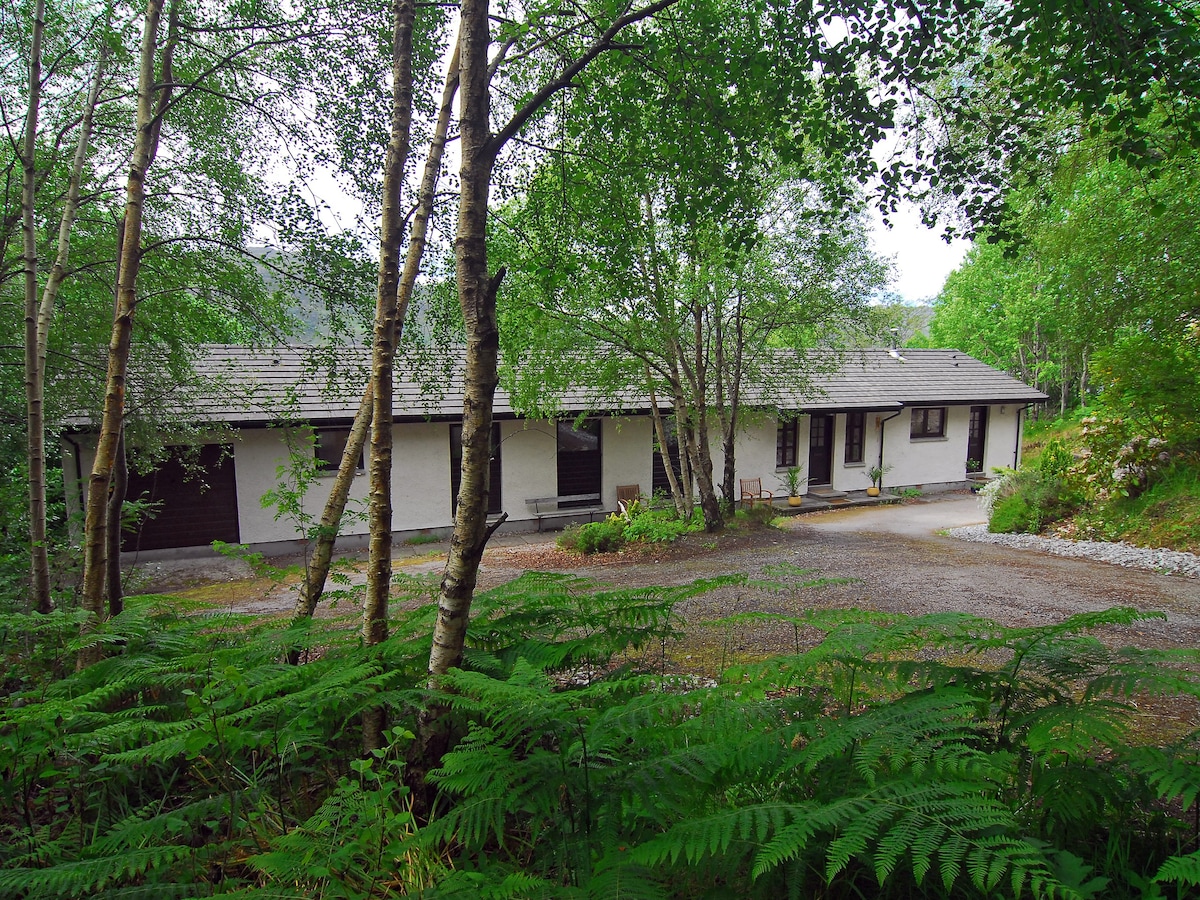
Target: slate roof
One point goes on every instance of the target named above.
(245, 386)
(892, 379)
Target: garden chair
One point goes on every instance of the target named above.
(627, 494)
(752, 492)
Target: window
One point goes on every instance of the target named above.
(579, 461)
(785, 444)
(928, 422)
(855, 432)
(328, 448)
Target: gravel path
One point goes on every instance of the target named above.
(1168, 562)
(890, 558)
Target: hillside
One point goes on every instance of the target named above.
(1162, 511)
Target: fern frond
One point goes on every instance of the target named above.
(730, 833)
(68, 879)
(1184, 869)
(1075, 730)
(1173, 773)
(616, 878)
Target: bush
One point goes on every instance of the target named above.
(658, 527)
(594, 537)
(636, 523)
(763, 513)
(1121, 459)
(1028, 501)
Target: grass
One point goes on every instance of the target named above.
(418, 539)
(1167, 515)
(1040, 432)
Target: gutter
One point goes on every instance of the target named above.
(1017, 446)
(882, 423)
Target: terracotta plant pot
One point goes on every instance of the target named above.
(872, 491)
(794, 501)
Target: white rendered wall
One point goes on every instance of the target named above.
(421, 476)
(1001, 449)
(528, 464)
(853, 476)
(925, 460)
(257, 455)
(626, 452)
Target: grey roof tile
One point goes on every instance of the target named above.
(242, 385)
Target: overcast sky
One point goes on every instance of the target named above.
(923, 259)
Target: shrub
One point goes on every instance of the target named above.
(1028, 501)
(658, 527)
(762, 513)
(1121, 459)
(594, 537)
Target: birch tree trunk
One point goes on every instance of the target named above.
(682, 508)
(477, 297)
(39, 587)
(477, 291)
(113, 590)
(36, 383)
(149, 119)
(700, 456)
(391, 228)
(730, 413)
(317, 571)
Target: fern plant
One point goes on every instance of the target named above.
(886, 756)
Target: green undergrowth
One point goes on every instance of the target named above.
(1166, 515)
(1101, 478)
(882, 756)
(637, 523)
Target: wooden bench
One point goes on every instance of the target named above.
(549, 507)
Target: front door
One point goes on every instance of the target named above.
(820, 449)
(976, 438)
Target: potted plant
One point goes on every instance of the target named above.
(876, 473)
(791, 481)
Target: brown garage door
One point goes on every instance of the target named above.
(199, 501)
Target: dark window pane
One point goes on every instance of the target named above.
(928, 422)
(855, 436)
(785, 444)
(584, 439)
(329, 447)
(579, 460)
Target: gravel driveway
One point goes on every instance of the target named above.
(893, 559)
(896, 561)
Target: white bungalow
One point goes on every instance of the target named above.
(931, 417)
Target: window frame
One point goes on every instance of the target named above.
(330, 461)
(787, 438)
(919, 428)
(856, 438)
